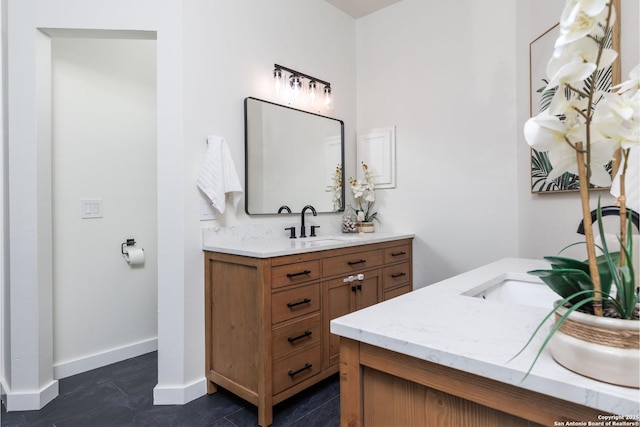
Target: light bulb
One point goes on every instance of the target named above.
(296, 85)
(277, 81)
(327, 97)
(312, 92)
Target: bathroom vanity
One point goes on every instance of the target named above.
(268, 304)
(441, 356)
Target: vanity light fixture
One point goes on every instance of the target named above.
(297, 87)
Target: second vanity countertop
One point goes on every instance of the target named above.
(441, 324)
(267, 247)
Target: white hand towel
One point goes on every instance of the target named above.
(218, 176)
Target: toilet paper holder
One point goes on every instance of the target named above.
(129, 242)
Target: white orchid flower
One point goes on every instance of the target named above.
(563, 158)
(619, 105)
(544, 131)
(573, 7)
(632, 83)
(568, 71)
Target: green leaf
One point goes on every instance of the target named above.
(566, 282)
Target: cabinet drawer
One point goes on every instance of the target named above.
(298, 334)
(292, 274)
(352, 263)
(397, 253)
(295, 302)
(297, 367)
(396, 275)
(397, 292)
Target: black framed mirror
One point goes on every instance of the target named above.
(291, 157)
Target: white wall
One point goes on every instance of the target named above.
(443, 73)
(29, 380)
(229, 51)
(230, 48)
(104, 147)
(548, 222)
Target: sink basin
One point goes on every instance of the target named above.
(313, 242)
(322, 242)
(515, 288)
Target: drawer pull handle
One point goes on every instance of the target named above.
(355, 288)
(398, 253)
(360, 261)
(306, 366)
(301, 273)
(304, 335)
(398, 275)
(293, 304)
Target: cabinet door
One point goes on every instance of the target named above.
(337, 301)
(344, 297)
(368, 291)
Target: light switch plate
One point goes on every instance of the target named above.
(91, 208)
(206, 210)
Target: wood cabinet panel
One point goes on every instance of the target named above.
(289, 371)
(295, 302)
(293, 336)
(396, 292)
(382, 387)
(396, 275)
(352, 263)
(343, 298)
(397, 253)
(293, 274)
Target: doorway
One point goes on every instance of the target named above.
(104, 191)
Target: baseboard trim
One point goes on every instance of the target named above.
(179, 395)
(24, 401)
(98, 360)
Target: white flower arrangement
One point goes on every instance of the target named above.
(364, 193)
(585, 125)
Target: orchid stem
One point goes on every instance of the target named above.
(588, 230)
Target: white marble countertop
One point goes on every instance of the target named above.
(439, 324)
(260, 246)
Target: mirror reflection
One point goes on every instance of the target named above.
(291, 157)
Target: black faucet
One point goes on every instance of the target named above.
(303, 232)
(610, 210)
(284, 208)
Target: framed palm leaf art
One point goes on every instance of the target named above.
(540, 50)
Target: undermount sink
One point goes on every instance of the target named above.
(515, 289)
(322, 242)
(312, 242)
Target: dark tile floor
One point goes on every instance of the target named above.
(122, 395)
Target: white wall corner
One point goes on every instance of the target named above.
(179, 395)
(31, 401)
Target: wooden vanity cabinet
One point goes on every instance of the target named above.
(267, 319)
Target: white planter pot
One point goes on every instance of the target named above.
(601, 348)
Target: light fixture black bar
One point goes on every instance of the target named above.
(298, 73)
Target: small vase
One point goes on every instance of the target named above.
(349, 221)
(366, 227)
(601, 348)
